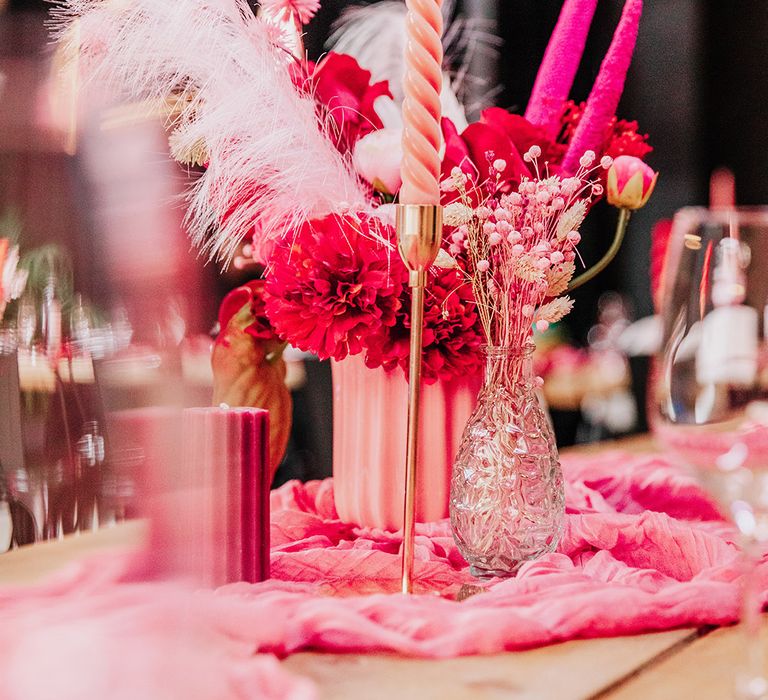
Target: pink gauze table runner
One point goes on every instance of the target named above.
(643, 549)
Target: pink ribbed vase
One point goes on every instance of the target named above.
(369, 426)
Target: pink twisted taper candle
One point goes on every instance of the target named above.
(421, 107)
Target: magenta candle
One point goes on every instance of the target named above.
(207, 492)
(227, 450)
(420, 167)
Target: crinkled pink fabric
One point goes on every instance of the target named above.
(644, 549)
(84, 634)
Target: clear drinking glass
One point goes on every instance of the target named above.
(710, 398)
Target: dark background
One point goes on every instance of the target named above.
(698, 85)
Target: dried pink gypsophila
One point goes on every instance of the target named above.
(520, 247)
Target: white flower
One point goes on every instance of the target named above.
(587, 159)
(558, 277)
(526, 270)
(444, 260)
(571, 219)
(377, 158)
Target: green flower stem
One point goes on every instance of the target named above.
(597, 268)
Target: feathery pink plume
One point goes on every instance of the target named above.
(305, 10)
(561, 61)
(606, 92)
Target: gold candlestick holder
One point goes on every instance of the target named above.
(419, 232)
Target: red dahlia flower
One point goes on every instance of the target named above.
(451, 337)
(331, 284)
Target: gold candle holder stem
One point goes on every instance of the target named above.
(419, 232)
(412, 435)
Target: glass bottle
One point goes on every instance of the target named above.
(507, 500)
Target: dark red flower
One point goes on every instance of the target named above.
(624, 140)
(621, 136)
(451, 338)
(471, 150)
(250, 293)
(332, 283)
(523, 135)
(344, 91)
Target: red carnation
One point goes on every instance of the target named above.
(451, 338)
(251, 292)
(621, 136)
(332, 284)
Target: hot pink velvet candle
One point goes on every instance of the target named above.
(205, 488)
(420, 167)
(227, 455)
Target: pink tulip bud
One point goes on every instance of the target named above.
(630, 182)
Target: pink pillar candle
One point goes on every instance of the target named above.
(206, 492)
(421, 106)
(227, 455)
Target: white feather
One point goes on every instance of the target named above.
(375, 36)
(270, 163)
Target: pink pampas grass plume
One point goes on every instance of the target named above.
(606, 92)
(270, 165)
(561, 61)
(305, 10)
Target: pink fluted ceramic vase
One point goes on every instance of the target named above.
(369, 425)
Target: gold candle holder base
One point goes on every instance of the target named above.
(419, 232)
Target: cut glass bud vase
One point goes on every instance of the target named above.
(507, 502)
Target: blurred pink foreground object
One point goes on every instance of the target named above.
(205, 489)
(644, 549)
(226, 452)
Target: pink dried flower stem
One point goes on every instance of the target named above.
(520, 247)
(604, 99)
(558, 68)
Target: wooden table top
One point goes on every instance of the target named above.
(673, 665)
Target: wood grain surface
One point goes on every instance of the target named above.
(678, 664)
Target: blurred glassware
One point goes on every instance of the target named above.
(92, 384)
(710, 398)
(50, 408)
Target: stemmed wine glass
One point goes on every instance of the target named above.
(710, 399)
